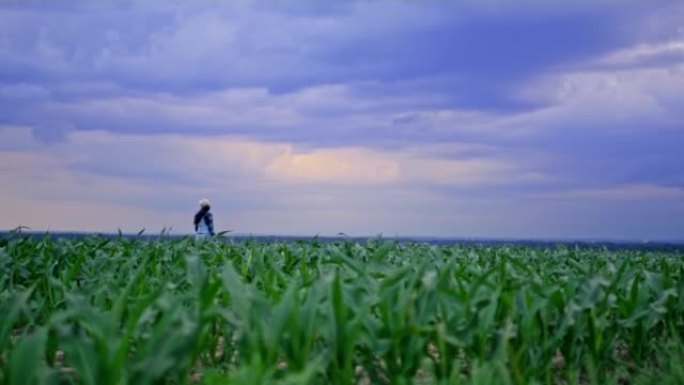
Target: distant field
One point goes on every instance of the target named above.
(111, 311)
(610, 244)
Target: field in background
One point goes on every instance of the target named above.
(96, 310)
(166, 234)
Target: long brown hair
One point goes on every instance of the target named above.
(200, 214)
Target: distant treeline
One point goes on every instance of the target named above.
(537, 243)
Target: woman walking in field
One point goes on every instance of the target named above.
(204, 221)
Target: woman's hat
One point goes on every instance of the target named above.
(204, 202)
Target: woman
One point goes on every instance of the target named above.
(204, 221)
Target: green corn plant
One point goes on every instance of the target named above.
(25, 365)
(98, 310)
(397, 338)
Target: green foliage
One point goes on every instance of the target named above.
(177, 311)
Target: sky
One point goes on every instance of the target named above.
(485, 119)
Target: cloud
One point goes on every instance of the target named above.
(21, 91)
(163, 45)
(199, 158)
(595, 118)
(344, 74)
(602, 126)
(639, 192)
(169, 172)
(343, 166)
(609, 100)
(429, 195)
(667, 52)
(450, 118)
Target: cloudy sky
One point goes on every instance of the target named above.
(445, 118)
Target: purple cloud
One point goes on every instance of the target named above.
(581, 100)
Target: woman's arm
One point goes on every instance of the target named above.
(209, 220)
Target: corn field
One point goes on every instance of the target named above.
(101, 311)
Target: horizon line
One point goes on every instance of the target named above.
(341, 235)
